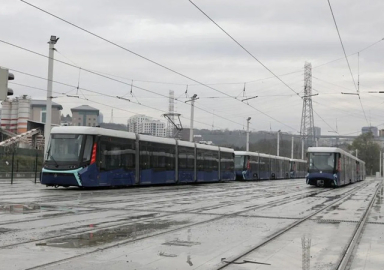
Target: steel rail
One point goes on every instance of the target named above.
(231, 261)
(345, 259)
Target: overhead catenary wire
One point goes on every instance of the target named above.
(113, 96)
(151, 61)
(122, 82)
(28, 3)
(342, 45)
(114, 107)
(248, 52)
(346, 59)
(104, 76)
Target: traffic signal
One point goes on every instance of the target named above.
(5, 76)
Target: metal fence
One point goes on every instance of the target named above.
(20, 163)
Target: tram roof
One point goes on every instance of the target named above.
(256, 154)
(332, 150)
(206, 147)
(298, 160)
(93, 131)
(149, 138)
(226, 149)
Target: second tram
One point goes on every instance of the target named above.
(331, 166)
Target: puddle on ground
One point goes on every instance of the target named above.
(105, 236)
(20, 208)
(26, 208)
(5, 230)
(181, 243)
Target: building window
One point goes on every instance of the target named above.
(43, 116)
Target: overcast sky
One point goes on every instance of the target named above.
(281, 34)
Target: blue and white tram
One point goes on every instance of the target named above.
(331, 166)
(255, 166)
(95, 157)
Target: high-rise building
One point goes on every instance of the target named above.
(143, 124)
(85, 115)
(100, 118)
(316, 132)
(374, 130)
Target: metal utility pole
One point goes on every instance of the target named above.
(292, 147)
(357, 151)
(302, 148)
(247, 144)
(307, 130)
(48, 112)
(192, 100)
(278, 143)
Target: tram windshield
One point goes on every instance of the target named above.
(65, 147)
(239, 162)
(321, 161)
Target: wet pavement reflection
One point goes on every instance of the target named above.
(110, 235)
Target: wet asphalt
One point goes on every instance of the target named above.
(280, 224)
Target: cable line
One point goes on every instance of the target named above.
(151, 61)
(270, 71)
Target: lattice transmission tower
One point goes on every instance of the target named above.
(307, 130)
(174, 125)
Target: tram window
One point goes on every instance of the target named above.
(157, 156)
(264, 164)
(186, 157)
(239, 162)
(117, 153)
(227, 162)
(88, 148)
(321, 161)
(207, 160)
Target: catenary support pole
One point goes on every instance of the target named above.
(247, 143)
(192, 116)
(48, 110)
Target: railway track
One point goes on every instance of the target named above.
(349, 190)
(344, 259)
(273, 203)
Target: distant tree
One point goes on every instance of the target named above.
(368, 151)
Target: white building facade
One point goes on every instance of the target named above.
(143, 124)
